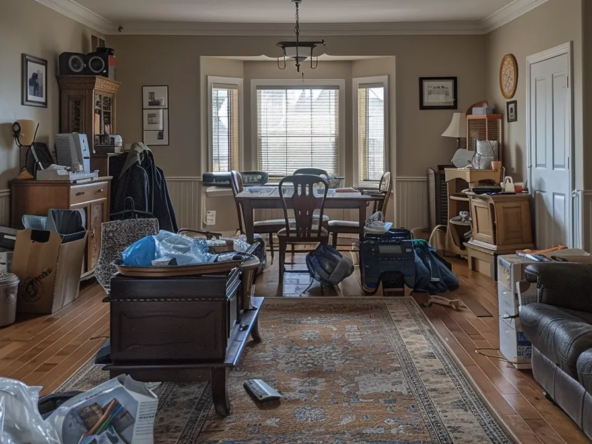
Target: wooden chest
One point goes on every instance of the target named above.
(181, 319)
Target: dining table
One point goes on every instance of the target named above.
(268, 197)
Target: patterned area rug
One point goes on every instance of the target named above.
(350, 371)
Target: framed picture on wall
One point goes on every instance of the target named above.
(34, 81)
(155, 97)
(153, 120)
(438, 93)
(512, 111)
(158, 137)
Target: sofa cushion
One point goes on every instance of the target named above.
(560, 336)
(585, 370)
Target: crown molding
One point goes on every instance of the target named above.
(311, 29)
(509, 13)
(80, 14)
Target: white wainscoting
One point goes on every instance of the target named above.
(5, 208)
(582, 224)
(186, 195)
(411, 202)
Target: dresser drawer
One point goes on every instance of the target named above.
(88, 192)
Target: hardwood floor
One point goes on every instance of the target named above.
(46, 350)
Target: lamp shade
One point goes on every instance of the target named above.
(458, 127)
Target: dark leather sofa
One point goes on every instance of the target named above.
(559, 326)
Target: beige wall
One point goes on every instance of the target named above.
(28, 27)
(552, 24)
(175, 60)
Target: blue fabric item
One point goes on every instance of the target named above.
(433, 274)
(140, 253)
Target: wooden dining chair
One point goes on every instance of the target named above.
(269, 227)
(303, 202)
(313, 171)
(337, 227)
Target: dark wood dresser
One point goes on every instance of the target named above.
(181, 329)
(37, 197)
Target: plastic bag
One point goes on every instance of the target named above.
(20, 420)
(141, 253)
(186, 250)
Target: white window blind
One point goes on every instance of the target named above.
(371, 131)
(297, 127)
(225, 130)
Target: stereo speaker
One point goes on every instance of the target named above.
(72, 64)
(99, 63)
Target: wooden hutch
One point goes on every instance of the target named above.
(88, 105)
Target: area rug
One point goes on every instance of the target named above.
(351, 371)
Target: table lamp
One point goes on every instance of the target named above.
(24, 133)
(458, 130)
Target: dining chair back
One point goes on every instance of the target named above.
(236, 183)
(385, 187)
(303, 201)
(313, 171)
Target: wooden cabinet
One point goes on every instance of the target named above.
(37, 197)
(88, 105)
(502, 222)
(486, 127)
(458, 180)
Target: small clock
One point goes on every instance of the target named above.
(508, 76)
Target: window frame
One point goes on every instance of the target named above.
(295, 84)
(231, 81)
(357, 83)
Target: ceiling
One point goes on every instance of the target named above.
(276, 17)
(282, 11)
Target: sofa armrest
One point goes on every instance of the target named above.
(564, 285)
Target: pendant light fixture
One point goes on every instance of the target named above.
(297, 50)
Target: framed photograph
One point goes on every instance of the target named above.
(153, 120)
(155, 97)
(438, 93)
(34, 81)
(159, 137)
(512, 111)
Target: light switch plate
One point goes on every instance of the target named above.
(211, 217)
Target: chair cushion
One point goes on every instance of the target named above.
(559, 335)
(343, 224)
(325, 217)
(284, 232)
(585, 370)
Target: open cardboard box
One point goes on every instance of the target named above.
(49, 270)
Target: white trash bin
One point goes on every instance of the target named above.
(9, 283)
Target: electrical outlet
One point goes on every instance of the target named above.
(211, 217)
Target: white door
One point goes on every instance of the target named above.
(550, 150)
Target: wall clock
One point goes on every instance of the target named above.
(508, 76)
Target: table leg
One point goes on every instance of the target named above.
(255, 331)
(362, 219)
(219, 377)
(248, 219)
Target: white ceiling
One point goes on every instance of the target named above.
(276, 17)
(282, 11)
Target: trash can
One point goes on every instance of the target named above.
(9, 283)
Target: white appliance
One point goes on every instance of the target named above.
(72, 150)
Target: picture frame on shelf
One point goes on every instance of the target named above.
(155, 96)
(34, 81)
(512, 111)
(438, 93)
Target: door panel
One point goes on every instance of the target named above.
(550, 150)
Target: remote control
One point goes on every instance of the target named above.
(261, 391)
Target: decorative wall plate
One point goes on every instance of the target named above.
(508, 76)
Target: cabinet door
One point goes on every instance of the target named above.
(97, 213)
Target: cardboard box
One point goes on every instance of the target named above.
(49, 270)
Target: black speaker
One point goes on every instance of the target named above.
(72, 64)
(97, 64)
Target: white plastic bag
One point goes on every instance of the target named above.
(187, 250)
(20, 420)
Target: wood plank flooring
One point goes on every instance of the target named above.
(46, 350)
